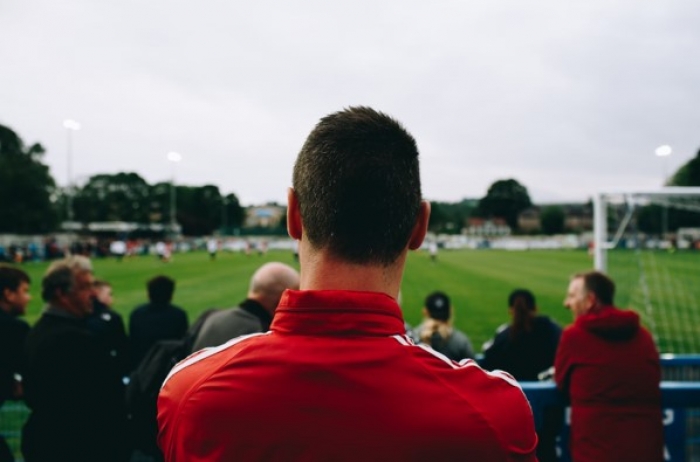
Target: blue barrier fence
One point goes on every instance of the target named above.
(681, 413)
(680, 390)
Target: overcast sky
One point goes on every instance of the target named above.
(569, 98)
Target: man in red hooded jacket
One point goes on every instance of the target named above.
(608, 365)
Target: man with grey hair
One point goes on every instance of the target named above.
(76, 400)
(255, 313)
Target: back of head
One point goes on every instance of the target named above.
(438, 306)
(270, 281)
(600, 285)
(358, 186)
(11, 278)
(522, 302)
(60, 276)
(161, 289)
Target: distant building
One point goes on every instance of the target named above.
(577, 218)
(265, 216)
(487, 227)
(529, 220)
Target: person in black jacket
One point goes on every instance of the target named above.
(527, 345)
(156, 320)
(76, 399)
(14, 297)
(525, 348)
(108, 326)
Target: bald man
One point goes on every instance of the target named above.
(255, 313)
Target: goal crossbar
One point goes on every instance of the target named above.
(661, 196)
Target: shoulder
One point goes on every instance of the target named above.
(14, 326)
(460, 336)
(197, 367)
(545, 324)
(495, 395)
(179, 310)
(139, 310)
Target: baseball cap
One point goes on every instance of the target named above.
(438, 306)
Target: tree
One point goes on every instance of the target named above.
(504, 199)
(233, 214)
(651, 217)
(450, 218)
(552, 220)
(688, 174)
(26, 187)
(199, 209)
(118, 197)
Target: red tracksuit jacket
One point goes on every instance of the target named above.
(337, 379)
(609, 366)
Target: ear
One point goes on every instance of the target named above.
(591, 299)
(293, 215)
(421, 227)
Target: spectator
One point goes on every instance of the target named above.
(108, 326)
(525, 348)
(14, 298)
(76, 401)
(437, 331)
(255, 313)
(608, 366)
(156, 320)
(336, 378)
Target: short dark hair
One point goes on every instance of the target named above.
(357, 182)
(11, 278)
(161, 289)
(599, 284)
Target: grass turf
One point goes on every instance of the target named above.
(477, 281)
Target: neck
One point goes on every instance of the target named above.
(322, 271)
(5, 307)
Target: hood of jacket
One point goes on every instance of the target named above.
(610, 323)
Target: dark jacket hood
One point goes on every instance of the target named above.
(610, 323)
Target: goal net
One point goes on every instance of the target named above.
(649, 243)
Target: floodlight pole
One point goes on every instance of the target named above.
(600, 214)
(174, 159)
(663, 152)
(70, 126)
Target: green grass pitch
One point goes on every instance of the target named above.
(478, 281)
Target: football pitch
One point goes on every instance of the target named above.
(478, 282)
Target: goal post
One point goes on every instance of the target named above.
(639, 242)
(601, 201)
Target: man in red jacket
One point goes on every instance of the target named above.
(609, 367)
(337, 378)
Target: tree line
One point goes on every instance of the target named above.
(507, 199)
(31, 202)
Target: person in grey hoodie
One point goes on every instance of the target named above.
(437, 330)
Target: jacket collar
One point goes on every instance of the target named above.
(338, 312)
(257, 310)
(610, 323)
